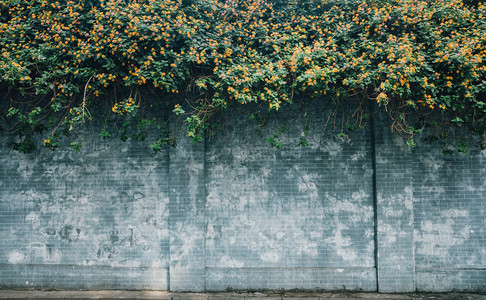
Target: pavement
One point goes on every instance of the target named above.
(45, 294)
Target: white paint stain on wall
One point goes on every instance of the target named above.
(332, 147)
(270, 256)
(189, 235)
(16, 257)
(433, 163)
(230, 262)
(437, 237)
(45, 253)
(341, 244)
(33, 218)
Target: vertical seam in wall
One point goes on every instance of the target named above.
(375, 197)
(205, 196)
(413, 226)
(168, 217)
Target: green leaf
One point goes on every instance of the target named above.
(76, 146)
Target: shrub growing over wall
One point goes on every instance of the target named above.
(64, 63)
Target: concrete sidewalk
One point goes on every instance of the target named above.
(39, 294)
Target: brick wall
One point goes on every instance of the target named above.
(450, 219)
(89, 220)
(346, 213)
(295, 218)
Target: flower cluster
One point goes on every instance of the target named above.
(127, 107)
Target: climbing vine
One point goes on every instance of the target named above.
(65, 63)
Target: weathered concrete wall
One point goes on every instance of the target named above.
(291, 218)
(354, 213)
(89, 220)
(449, 194)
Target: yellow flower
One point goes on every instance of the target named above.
(381, 97)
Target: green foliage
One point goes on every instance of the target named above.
(105, 134)
(274, 142)
(25, 145)
(51, 142)
(76, 146)
(411, 143)
(303, 142)
(163, 139)
(65, 63)
(462, 147)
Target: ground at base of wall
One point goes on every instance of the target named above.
(40, 294)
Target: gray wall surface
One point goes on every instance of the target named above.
(355, 213)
